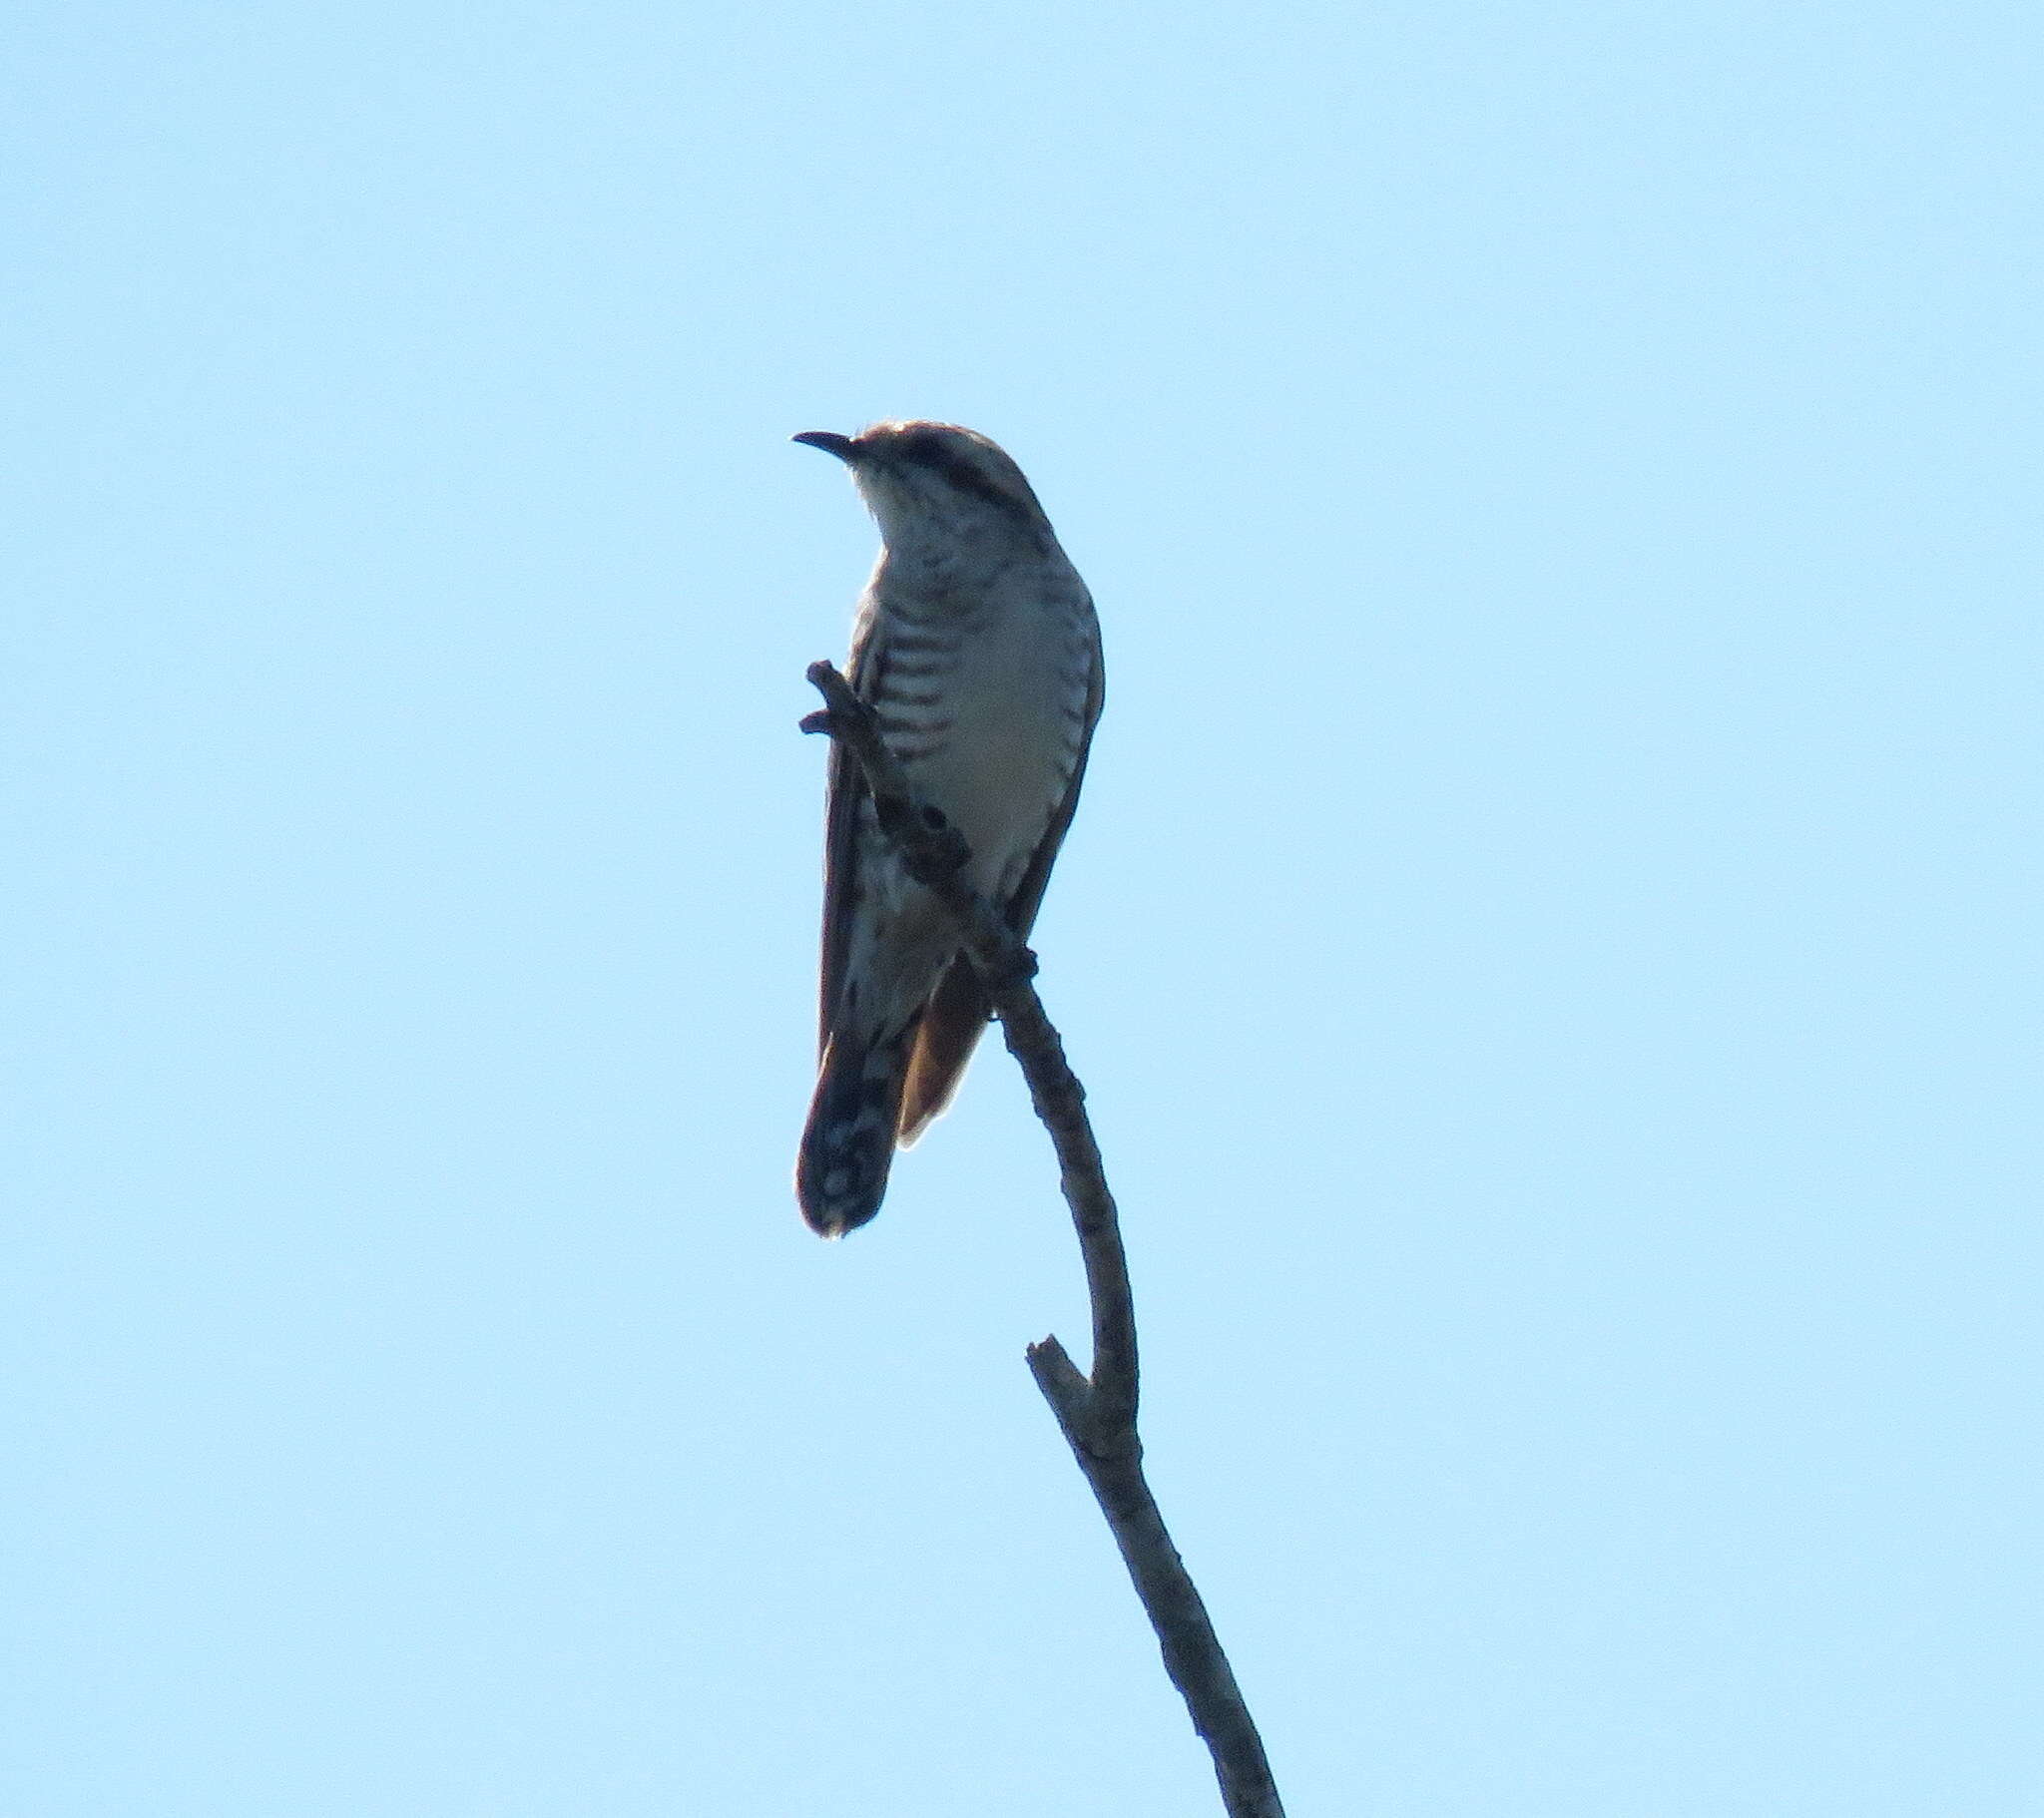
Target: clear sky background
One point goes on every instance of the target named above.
(1551, 935)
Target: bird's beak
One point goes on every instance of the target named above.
(830, 442)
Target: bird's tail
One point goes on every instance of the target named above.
(848, 1145)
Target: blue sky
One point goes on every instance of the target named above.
(1551, 935)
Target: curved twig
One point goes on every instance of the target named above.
(1096, 1412)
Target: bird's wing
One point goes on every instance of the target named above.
(846, 792)
(957, 1011)
(1021, 908)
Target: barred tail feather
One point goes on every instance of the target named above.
(849, 1146)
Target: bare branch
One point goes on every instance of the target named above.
(1096, 1412)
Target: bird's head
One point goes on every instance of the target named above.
(918, 476)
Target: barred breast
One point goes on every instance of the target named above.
(989, 717)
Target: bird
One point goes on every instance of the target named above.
(977, 645)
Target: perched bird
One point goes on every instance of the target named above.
(977, 645)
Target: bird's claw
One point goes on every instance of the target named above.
(1016, 970)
